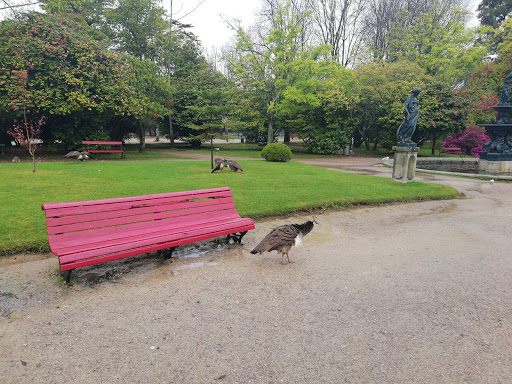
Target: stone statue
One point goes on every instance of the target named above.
(506, 91)
(412, 113)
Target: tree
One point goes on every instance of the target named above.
(267, 70)
(339, 24)
(384, 89)
(444, 49)
(494, 12)
(211, 115)
(26, 132)
(319, 105)
(382, 16)
(135, 27)
(91, 10)
(72, 78)
(443, 110)
(180, 59)
(153, 90)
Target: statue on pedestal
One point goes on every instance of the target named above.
(412, 113)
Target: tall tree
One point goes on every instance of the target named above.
(135, 26)
(384, 89)
(339, 24)
(493, 12)
(72, 77)
(383, 16)
(212, 112)
(91, 10)
(266, 68)
(445, 49)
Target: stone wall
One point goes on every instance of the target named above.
(448, 164)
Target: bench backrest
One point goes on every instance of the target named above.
(103, 142)
(83, 219)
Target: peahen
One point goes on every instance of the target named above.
(282, 238)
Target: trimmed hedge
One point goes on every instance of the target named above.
(276, 152)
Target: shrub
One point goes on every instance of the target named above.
(277, 152)
(470, 141)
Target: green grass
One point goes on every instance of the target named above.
(264, 189)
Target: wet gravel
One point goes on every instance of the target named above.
(409, 293)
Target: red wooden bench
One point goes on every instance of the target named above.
(104, 143)
(90, 232)
(451, 151)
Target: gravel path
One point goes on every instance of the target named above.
(405, 293)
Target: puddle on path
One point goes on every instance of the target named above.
(151, 264)
(196, 264)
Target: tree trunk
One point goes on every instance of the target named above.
(211, 152)
(367, 144)
(33, 163)
(171, 131)
(434, 141)
(270, 135)
(375, 145)
(142, 137)
(286, 136)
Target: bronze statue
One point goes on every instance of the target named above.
(506, 91)
(412, 113)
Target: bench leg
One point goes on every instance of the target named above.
(166, 253)
(67, 275)
(237, 237)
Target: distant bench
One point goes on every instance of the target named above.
(451, 151)
(90, 232)
(104, 143)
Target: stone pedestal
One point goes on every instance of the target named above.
(495, 168)
(404, 164)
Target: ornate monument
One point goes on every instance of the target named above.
(406, 151)
(496, 156)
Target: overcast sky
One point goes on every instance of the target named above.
(213, 31)
(207, 19)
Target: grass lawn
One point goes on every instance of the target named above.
(264, 189)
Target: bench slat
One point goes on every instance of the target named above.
(62, 224)
(155, 247)
(107, 236)
(79, 207)
(146, 240)
(149, 219)
(105, 151)
(103, 142)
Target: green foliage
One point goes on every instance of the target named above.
(210, 113)
(70, 73)
(320, 106)
(445, 50)
(442, 111)
(493, 12)
(384, 89)
(281, 76)
(135, 26)
(276, 152)
(483, 89)
(264, 189)
(91, 10)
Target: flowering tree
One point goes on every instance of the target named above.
(25, 132)
(470, 141)
(72, 77)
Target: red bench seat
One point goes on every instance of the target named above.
(90, 232)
